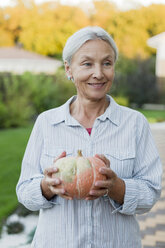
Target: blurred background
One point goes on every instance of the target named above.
(32, 78)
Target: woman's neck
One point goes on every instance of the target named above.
(86, 111)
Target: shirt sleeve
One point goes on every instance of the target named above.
(28, 188)
(144, 188)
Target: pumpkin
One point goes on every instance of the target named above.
(78, 174)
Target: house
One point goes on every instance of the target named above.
(158, 42)
(18, 60)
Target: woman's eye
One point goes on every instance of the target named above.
(87, 64)
(107, 63)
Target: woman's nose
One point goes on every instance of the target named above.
(97, 72)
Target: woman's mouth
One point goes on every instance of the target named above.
(96, 85)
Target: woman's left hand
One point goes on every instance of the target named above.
(108, 187)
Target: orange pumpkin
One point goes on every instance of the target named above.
(79, 174)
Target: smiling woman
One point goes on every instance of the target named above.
(93, 76)
(92, 69)
(118, 137)
(90, 61)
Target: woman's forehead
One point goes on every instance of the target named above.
(96, 47)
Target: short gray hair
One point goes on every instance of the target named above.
(75, 41)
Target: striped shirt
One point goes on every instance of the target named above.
(124, 137)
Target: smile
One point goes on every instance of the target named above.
(96, 85)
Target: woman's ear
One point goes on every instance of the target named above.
(67, 70)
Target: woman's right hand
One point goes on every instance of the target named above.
(49, 185)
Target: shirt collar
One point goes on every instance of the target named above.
(112, 112)
(62, 113)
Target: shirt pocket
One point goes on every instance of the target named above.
(121, 162)
(50, 154)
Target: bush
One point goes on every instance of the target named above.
(142, 86)
(121, 100)
(136, 80)
(15, 227)
(49, 91)
(15, 107)
(24, 96)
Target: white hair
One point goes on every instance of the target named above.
(75, 41)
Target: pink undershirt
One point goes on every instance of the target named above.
(89, 130)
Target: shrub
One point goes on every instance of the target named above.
(49, 91)
(121, 100)
(24, 96)
(15, 227)
(15, 107)
(135, 79)
(142, 86)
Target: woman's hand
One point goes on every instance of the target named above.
(114, 187)
(50, 186)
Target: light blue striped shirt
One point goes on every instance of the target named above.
(124, 137)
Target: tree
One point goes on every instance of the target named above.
(45, 30)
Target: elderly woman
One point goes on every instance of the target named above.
(93, 122)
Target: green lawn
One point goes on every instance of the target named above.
(153, 115)
(12, 147)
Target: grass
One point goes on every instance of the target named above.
(12, 147)
(153, 115)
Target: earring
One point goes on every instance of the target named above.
(69, 77)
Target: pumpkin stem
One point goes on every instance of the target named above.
(79, 153)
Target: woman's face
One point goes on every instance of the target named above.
(92, 68)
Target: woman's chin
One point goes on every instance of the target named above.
(96, 96)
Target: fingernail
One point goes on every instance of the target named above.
(97, 155)
(102, 169)
(57, 181)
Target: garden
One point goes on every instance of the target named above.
(44, 30)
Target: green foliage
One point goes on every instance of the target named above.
(41, 91)
(24, 96)
(135, 79)
(122, 100)
(48, 91)
(64, 88)
(15, 107)
(15, 227)
(141, 84)
(153, 115)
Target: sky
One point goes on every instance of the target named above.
(122, 4)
